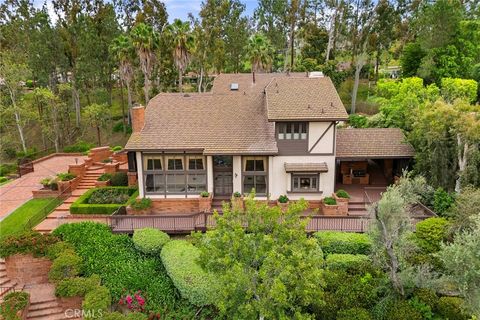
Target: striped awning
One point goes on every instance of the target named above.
(306, 167)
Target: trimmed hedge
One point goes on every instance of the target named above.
(343, 242)
(77, 287)
(81, 205)
(196, 285)
(150, 240)
(351, 263)
(67, 265)
(96, 303)
(430, 233)
(29, 242)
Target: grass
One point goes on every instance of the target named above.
(5, 182)
(35, 209)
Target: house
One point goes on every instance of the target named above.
(275, 133)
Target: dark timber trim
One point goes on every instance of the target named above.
(323, 134)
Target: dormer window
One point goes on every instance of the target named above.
(292, 130)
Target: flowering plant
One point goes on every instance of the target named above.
(134, 302)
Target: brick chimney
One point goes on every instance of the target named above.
(138, 118)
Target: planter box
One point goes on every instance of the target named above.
(120, 156)
(342, 205)
(99, 184)
(238, 203)
(26, 269)
(99, 154)
(205, 204)
(144, 212)
(329, 210)
(283, 206)
(111, 167)
(45, 193)
(72, 184)
(88, 162)
(77, 169)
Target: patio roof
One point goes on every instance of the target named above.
(372, 143)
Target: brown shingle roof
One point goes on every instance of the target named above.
(372, 143)
(306, 167)
(295, 98)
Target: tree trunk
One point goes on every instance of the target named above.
(292, 47)
(331, 33)
(76, 103)
(200, 81)
(122, 102)
(129, 98)
(98, 136)
(377, 65)
(358, 68)
(462, 162)
(180, 80)
(146, 88)
(18, 121)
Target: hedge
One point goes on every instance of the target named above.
(196, 285)
(129, 316)
(354, 314)
(96, 303)
(430, 233)
(67, 265)
(343, 242)
(451, 308)
(150, 240)
(77, 287)
(81, 205)
(351, 263)
(29, 242)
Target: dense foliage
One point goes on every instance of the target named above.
(150, 240)
(343, 242)
(13, 302)
(33, 243)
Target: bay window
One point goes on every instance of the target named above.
(255, 175)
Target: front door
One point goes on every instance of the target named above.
(223, 175)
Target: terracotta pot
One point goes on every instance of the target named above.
(329, 210)
(283, 206)
(342, 204)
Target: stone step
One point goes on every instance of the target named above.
(4, 282)
(43, 305)
(58, 214)
(63, 207)
(51, 316)
(356, 208)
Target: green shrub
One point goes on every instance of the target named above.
(402, 310)
(96, 303)
(237, 194)
(109, 196)
(7, 168)
(116, 148)
(442, 201)
(3, 179)
(57, 249)
(29, 242)
(29, 83)
(129, 316)
(329, 201)
(105, 177)
(77, 286)
(204, 194)
(82, 205)
(195, 284)
(342, 194)
(118, 127)
(351, 263)
(357, 121)
(12, 303)
(150, 240)
(79, 147)
(343, 242)
(427, 296)
(65, 176)
(451, 308)
(141, 204)
(354, 314)
(283, 199)
(430, 233)
(66, 265)
(119, 179)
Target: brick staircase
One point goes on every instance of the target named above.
(44, 305)
(217, 203)
(6, 285)
(357, 208)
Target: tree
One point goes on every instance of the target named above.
(269, 269)
(13, 72)
(182, 45)
(259, 52)
(465, 207)
(411, 59)
(145, 40)
(96, 115)
(462, 264)
(123, 50)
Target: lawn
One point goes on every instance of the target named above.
(35, 209)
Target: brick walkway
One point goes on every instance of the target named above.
(19, 191)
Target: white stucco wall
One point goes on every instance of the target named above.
(315, 131)
(280, 183)
(237, 173)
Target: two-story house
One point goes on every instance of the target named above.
(275, 133)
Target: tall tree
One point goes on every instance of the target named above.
(259, 52)
(145, 40)
(183, 42)
(97, 116)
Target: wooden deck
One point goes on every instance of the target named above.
(184, 224)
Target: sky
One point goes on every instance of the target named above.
(175, 8)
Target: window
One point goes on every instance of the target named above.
(195, 163)
(255, 175)
(292, 130)
(305, 183)
(172, 179)
(175, 163)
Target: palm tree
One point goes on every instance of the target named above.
(145, 41)
(182, 46)
(124, 52)
(260, 52)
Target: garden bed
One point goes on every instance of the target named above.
(103, 200)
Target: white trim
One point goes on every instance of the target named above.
(210, 174)
(140, 174)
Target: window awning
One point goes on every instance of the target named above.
(306, 167)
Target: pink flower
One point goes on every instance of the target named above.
(129, 299)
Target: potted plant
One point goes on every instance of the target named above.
(282, 202)
(64, 180)
(140, 206)
(103, 180)
(45, 182)
(342, 197)
(237, 200)
(329, 206)
(205, 202)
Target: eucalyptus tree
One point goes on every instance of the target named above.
(183, 42)
(97, 116)
(259, 52)
(145, 41)
(124, 53)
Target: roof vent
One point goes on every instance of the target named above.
(316, 74)
(186, 95)
(234, 86)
